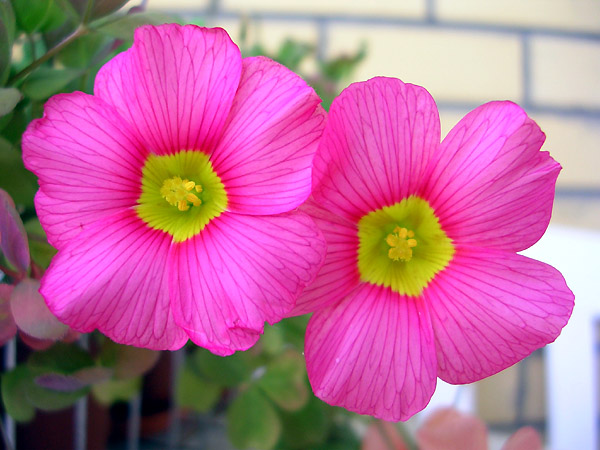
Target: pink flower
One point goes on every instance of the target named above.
(421, 278)
(170, 193)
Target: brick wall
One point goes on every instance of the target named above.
(542, 54)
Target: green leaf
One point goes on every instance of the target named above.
(128, 361)
(9, 97)
(14, 397)
(61, 358)
(306, 427)
(14, 178)
(51, 400)
(123, 27)
(112, 391)
(40, 250)
(284, 381)
(81, 52)
(196, 393)
(223, 371)
(252, 421)
(46, 82)
(272, 340)
(74, 382)
(294, 330)
(101, 7)
(55, 17)
(31, 14)
(292, 53)
(7, 36)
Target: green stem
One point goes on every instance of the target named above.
(89, 8)
(79, 31)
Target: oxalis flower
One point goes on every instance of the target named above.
(421, 278)
(170, 193)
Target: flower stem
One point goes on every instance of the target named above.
(79, 31)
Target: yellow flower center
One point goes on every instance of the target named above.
(187, 181)
(401, 242)
(178, 193)
(389, 254)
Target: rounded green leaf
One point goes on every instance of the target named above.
(127, 361)
(284, 381)
(223, 371)
(46, 82)
(51, 400)
(9, 97)
(123, 27)
(307, 426)
(112, 391)
(252, 421)
(14, 395)
(61, 358)
(196, 393)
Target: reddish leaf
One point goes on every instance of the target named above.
(7, 324)
(13, 239)
(382, 435)
(452, 430)
(526, 438)
(31, 314)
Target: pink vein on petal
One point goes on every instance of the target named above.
(491, 308)
(113, 277)
(240, 272)
(175, 85)
(373, 353)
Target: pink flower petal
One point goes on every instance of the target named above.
(113, 277)
(175, 84)
(339, 274)
(13, 238)
(373, 353)
(7, 324)
(240, 271)
(269, 142)
(378, 141)
(490, 309)
(88, 162)
(31, 313)
(489, 184)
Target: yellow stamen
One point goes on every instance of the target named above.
(177, 193)
(401, 242)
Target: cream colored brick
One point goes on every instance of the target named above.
(575, 144)
(270, 34)
(561, 14)
(452, 65)
(565, 72)
(174, 5)
(396, 8)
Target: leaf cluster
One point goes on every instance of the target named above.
(265, 395)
